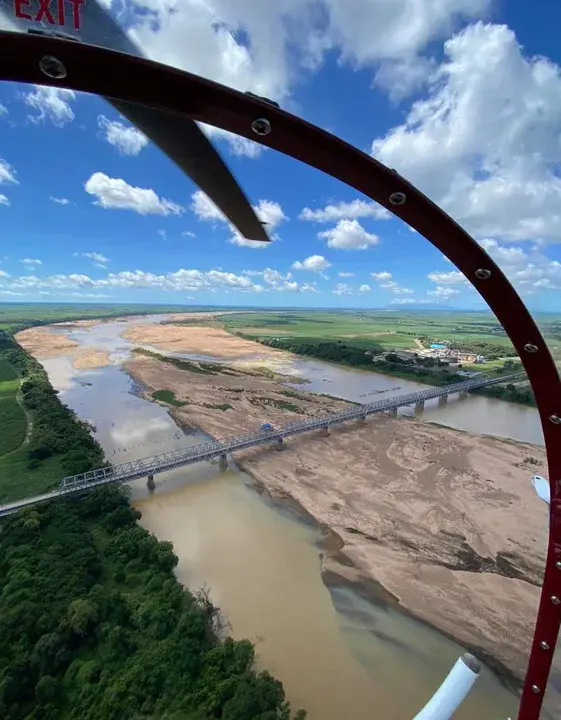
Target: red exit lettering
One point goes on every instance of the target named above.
(44, 13)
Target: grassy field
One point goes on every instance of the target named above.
(387, 330)
(168, 396)
(13, 422)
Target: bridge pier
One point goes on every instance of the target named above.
(443, 399)
(324, 431)
(361, 420)
(419, 406)
(279, 444)
(150, 483)
(223, 462)
(392, 412)
(463, 395)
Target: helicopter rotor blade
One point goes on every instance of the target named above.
(185, 143)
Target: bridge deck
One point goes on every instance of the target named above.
(135, 469)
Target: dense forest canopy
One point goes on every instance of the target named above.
(95, 626)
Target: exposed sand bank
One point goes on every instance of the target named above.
(199, 340)
(446, 522)
(44, 344)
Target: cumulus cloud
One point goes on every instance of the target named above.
(31, 261)
(342, 289)
(349, 235)
(268, 211)
(60, 201)
(346, 274)
(364, 288)
(237, 145)
(52, 104)
(98, 259)
(484, 143)
(3, 110)
(126, 138)
(453, 277)
(256, 46)
(529, 270)
(4, 200)
(346, 211)
(384, 280)
(314, 263)
(115, 193)
(443, 293)
(188, 233)
(7, 173)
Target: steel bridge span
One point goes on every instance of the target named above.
(148, 467)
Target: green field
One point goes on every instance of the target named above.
(13, 422)
(168, 396)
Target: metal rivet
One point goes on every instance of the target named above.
(555, 419)
(555, 600)
(531, 348)
(544, 645)
(483, 274)
(558, 565)
(535, 689)
(52, 67)
(261, 126)
(398, 198)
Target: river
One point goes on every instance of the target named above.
(337, 653)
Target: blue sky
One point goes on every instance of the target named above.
(463, 97)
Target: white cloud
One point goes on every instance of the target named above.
(408, 301)
(342, 289)
(453, 277)
(364, 288)
(382, 276)
(4, 274)
(115, 193)
(315, 263)
(7, 173)
(346, 274)
(31, 261)
(443, 293)
(384, 280)
(163, 234)
(60, 201)
(98, 259)
(4, 200)
(257, 46)
(188, 233)
(127, 139)
(237, 145)
(349, 235)
(400, 78)
(3, 110)
(268, 211)
(529, 270)
(51, 104)
(346, 211)
(485, 143)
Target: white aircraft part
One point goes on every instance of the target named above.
(541, 486)
(450, 695)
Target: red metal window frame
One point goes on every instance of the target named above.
(128, 78)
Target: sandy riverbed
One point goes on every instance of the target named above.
(200, 340)
(43, 344)
(445, 521)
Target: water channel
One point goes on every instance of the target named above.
(338, 654)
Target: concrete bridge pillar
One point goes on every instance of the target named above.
(279, 444)
(324, 431)
(419, 405)
(392, 412)
(223, 462)
(150, 483)
(463, 395)
(443, 399)
(361, 420)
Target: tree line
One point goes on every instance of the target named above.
(55, 428)
(95, 626)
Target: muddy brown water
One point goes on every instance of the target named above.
(338, 653)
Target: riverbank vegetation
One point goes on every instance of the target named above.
(95, 626)
(46, 441)
(168, 396)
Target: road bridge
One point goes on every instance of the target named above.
(149, 467)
